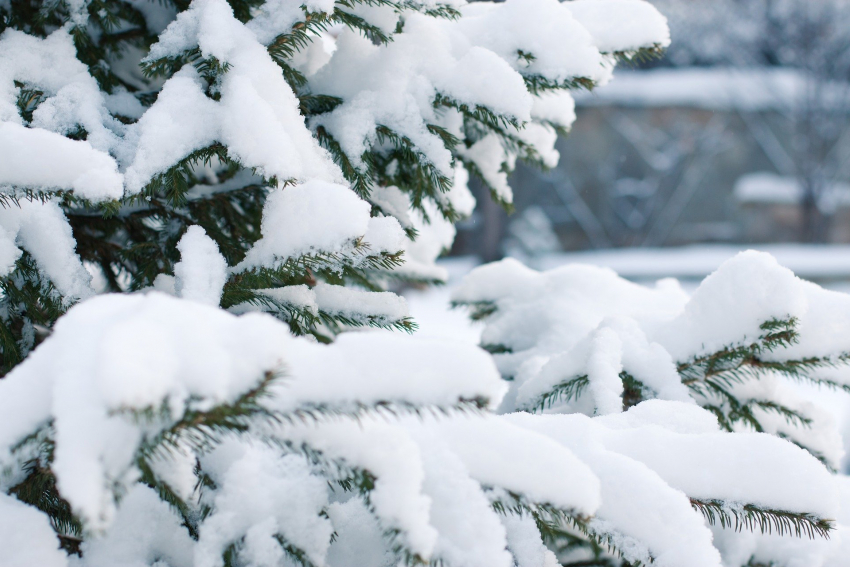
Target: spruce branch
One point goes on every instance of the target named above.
(293, 552)
(641, 55)
(28, 100)
(751, 517)
(201, 428)
(353, 264)
(38, 489)
(557, 525)
(370, 31)
(478, 310)
(479, 113)
(538, 84)
(361, 181)
(315, 104)
(474, 170)
(387, 409)
(564, 391)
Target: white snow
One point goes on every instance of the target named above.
(73, 96)
(145, 530)
(257, 117)
(374, 367)
(37, 159)
(261, 495)
(638, 24)
(22, 523)
(769, 188)
(314, 217)
(562, 48)
(202, 270)
(360, 305)
(42, 229)
(422, 418)
(114, 354)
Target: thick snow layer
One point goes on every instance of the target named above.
(20, 523)
(368, 368)
(554, 311)
(585, 325)
(273, 18)
(117, 354)
(402, 455)
(545, 29)
(393, 457)
(762, 469)
(262, 494)
(360, 305)
(360, 540)
(202, 270)
(525, 543)
(638, 24)
(42, 229)
(393, 86)
(146, 530)
(73, 97)
(557, 108)
(499, 454)
(114, 354)
(729, 306)
(470, 531)
(40, 160)
(312, 218)
(653, 451)
(256, 118)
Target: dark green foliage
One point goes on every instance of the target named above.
(38, 489)
(29, 304)
(478, 310)
(562, 392)
(752, 517)
(565, 531)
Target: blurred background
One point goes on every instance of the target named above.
(738, 138)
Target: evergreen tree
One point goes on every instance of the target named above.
(209, 160)
(581, 340)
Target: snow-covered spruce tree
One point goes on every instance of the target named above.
(579, 340)
(126, 122)
(206, 161)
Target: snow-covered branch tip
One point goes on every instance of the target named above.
(752, 518)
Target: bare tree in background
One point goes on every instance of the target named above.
(810, 36)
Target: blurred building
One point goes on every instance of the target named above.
(741, 134)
